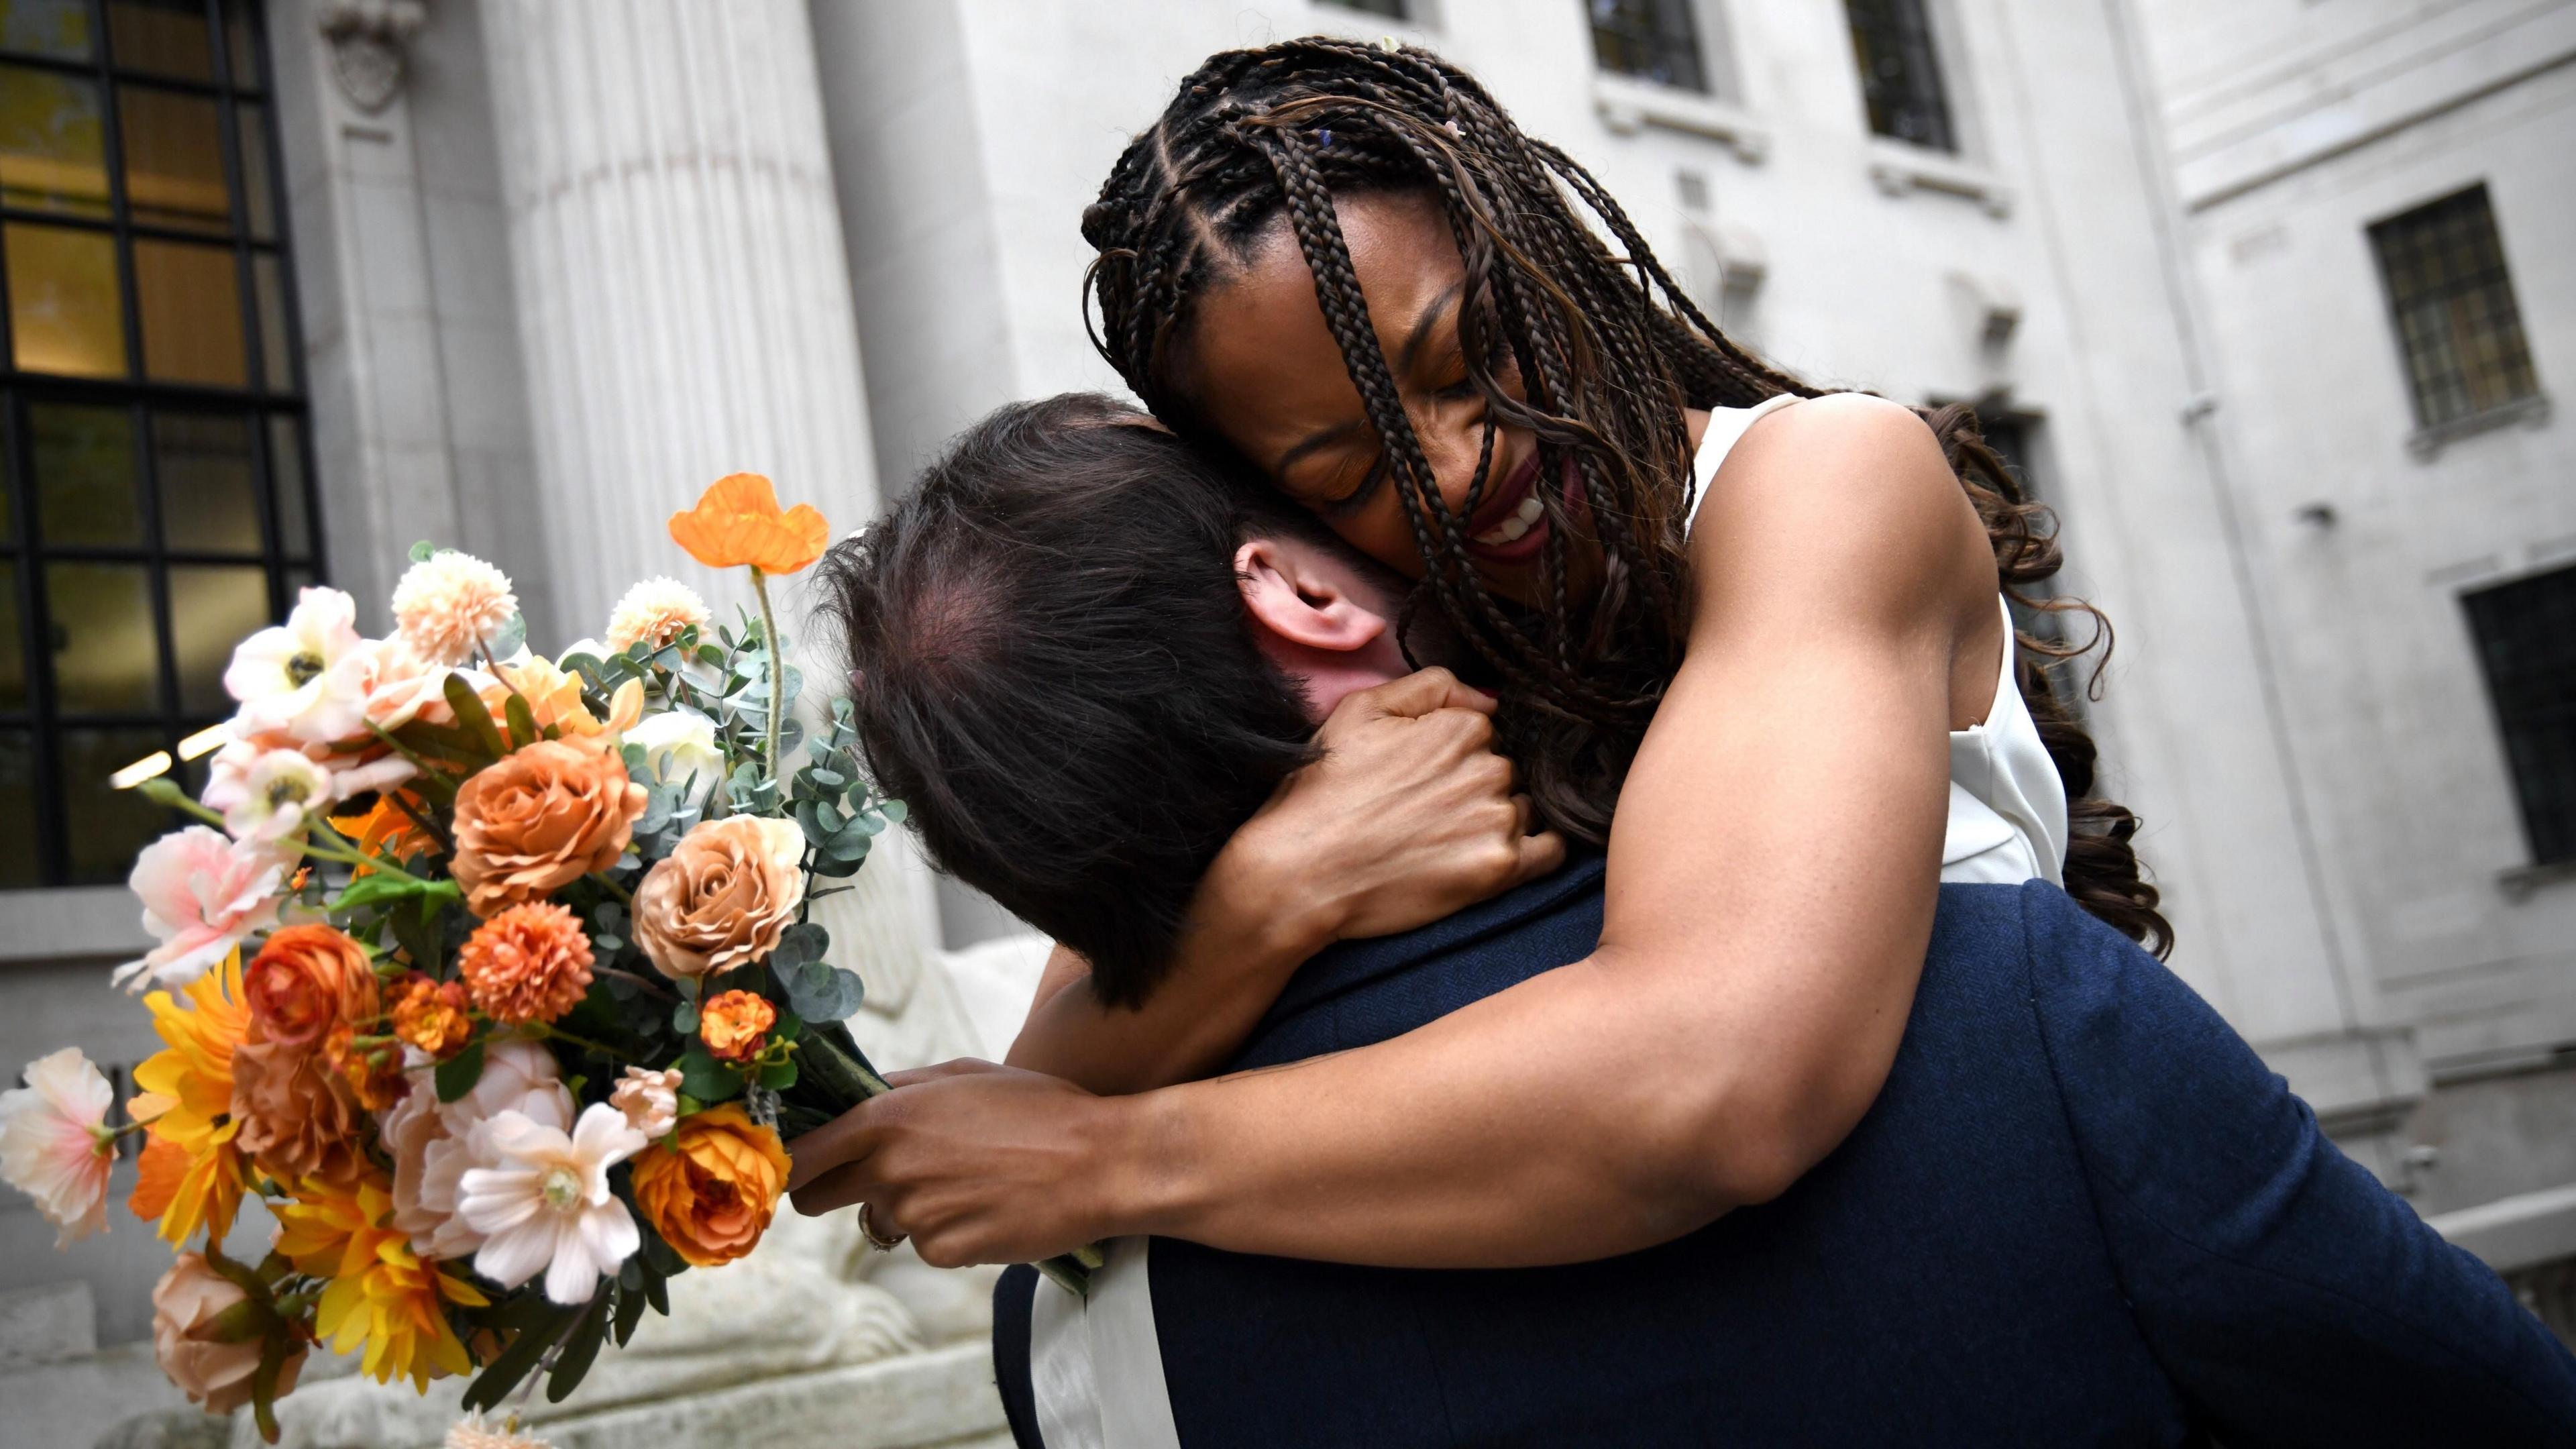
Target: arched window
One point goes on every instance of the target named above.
(158, 501)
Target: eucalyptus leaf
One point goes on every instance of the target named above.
(423, 551)
(805, 941)
(684, 1018)
(894, 811)
(820, 991)
(510, 638)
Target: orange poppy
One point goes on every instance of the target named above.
(738, 521)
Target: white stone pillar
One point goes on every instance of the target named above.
(684, 298)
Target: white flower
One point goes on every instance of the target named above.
(547, 1206)
(449, 603)
(678, 745)
(281, 673)
(434, 1144)
(656, 610)
(54, 1146)
(201, 895)
(650, 1100)
(266, 794)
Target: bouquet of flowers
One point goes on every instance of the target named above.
(531, 990)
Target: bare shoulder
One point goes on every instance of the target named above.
(1845, 497)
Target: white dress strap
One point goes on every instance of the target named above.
(1726, 428)
(1096, 1364)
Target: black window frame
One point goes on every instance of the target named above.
(1904, 87)
(1655, 41)
(1400, 11)
(276, 417)
(2433, 259)
(2534, 705)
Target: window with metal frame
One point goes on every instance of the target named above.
(153, 433)
(1656, 40)
(2451, 299)
(2526, 633)
(1900, 72)
(1391, 9)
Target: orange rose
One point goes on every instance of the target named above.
(299, 1117)
(305, 982)
(431, 1015)
(738, 521)
(735, 1025)
(541, 818)
(710, 1186)
(723, 897)
(529, 963)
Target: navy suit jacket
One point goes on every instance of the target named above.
(2081, 1212)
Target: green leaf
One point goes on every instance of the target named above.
(473, 718)
(375, 890)
(820, 991)
(580, 1350)
(523, 720)
(894, 811)
(510, 638)
(805, 941)
(495, 1383)
(684, 1018)
(780, 1077)
(457, 1075)
(423, 551)
(630, 1303)
(705, 1078)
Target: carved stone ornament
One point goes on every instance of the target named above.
(367, 39)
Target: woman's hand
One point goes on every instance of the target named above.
(977, 1163)
(1408, 817)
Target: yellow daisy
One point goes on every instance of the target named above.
(194, 1175)
(381, 1293)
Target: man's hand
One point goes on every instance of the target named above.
(978, 1163)
(1409, 816)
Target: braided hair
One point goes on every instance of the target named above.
(1606, 352)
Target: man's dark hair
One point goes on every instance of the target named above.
(1052, 666)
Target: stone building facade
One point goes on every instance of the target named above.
(516, 274)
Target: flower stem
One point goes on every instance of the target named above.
(583, 1042)
(624, 896)
(777, 666)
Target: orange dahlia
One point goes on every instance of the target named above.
(529, 963)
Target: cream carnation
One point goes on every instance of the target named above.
(449, 603)
(656, 610)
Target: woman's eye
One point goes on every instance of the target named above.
(1353, 501)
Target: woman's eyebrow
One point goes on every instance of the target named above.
(1405, 355)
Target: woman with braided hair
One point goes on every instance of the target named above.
(1761, 623)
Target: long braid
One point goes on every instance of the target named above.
(1609, 351)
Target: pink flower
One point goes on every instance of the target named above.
(54, 1145)
(435, 1144)
(281, 674)
(210, 1365)
(201, 895)
(398, 684)
(546, 1206)
(266, 795)
(650, 1100)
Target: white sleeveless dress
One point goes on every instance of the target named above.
(1096, 1365)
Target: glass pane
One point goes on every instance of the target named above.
(298, 580)
(13, 643)
(190, 298)
(87, 481)
(211, 610)
(286, 472)
(174, 159)
(46, 27)
(167, 37)
(53, 151)
(209, 482)
(107, 826)
(106, 660)
(268, 290)
(63, 312)
(19, 865)
(242, 42)
(259, 196)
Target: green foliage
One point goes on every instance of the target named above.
(705, 1078)
(457, 1075)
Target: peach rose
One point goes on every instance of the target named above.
(723, 897)
(529, 963)
(710, 1186)
(200, 1355)
(305, 982)
(540, 819)
(735, 1025)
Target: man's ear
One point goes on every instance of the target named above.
(1298, 602)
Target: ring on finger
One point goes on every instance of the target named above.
(882, 1242)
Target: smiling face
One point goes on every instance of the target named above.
(1268, 376)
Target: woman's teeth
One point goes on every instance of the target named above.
(1518, 525)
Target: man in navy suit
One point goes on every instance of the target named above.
(2081, 1210)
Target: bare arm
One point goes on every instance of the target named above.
(1420, 822)
(1771, 885)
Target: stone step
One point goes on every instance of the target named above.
(48, 1322)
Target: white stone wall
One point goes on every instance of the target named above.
(2294, 127)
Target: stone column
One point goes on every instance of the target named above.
(684, 296)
